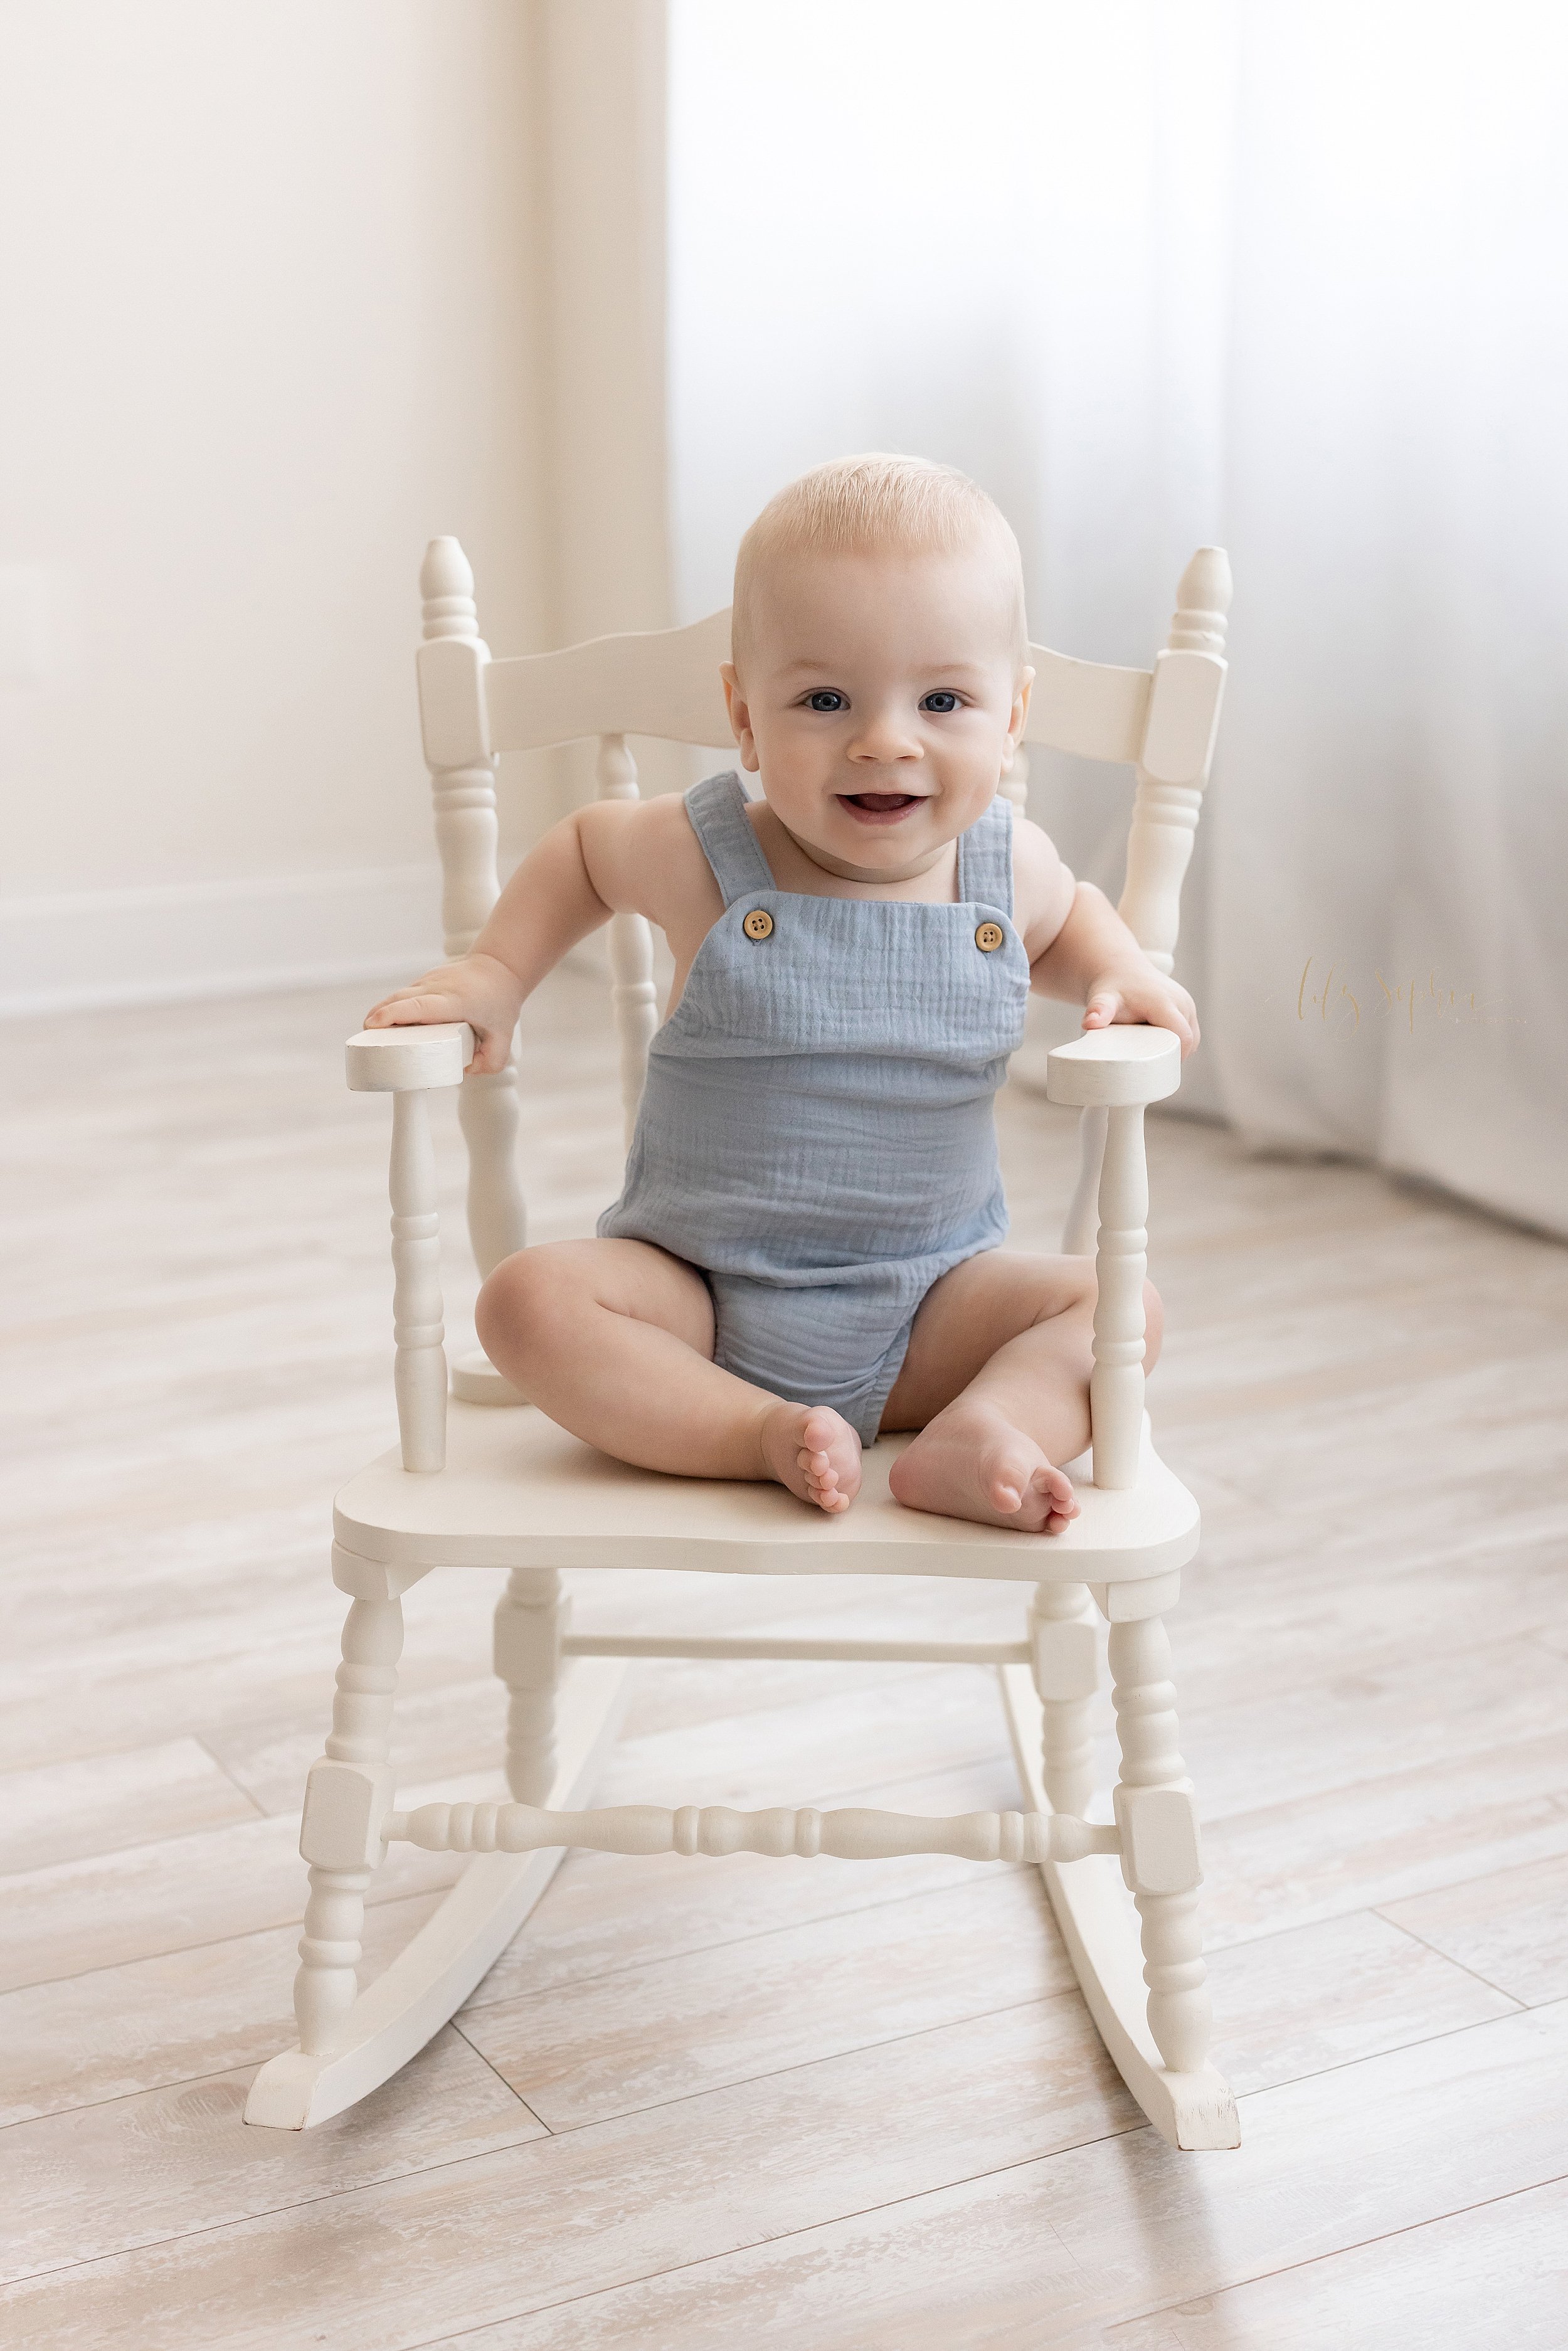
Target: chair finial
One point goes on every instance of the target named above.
(446, 584)
(1203, 600)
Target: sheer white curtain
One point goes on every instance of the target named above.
(1286, 277)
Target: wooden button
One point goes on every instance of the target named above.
(989, 937)
(759, 924)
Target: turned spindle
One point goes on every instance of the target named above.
(1158, 1821)
(420, 1370)
(1178, 746)
(346, 1800)
(1172, 777)
(452, 682)
(715, 1830)
(1120, 1264)
(1066, 1673)
(636, 999)
(531, 1619)
(1118, 1070)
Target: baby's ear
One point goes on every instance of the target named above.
(1018, 719)
(739, 715)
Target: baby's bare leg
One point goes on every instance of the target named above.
(614, 1339)
(996, 1381)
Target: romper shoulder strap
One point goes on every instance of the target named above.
(985, 856)
(717, 809)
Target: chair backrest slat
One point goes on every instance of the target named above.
(664, 684)
(1090, 708)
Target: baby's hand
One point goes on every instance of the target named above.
(478, 988)
(1136, 991)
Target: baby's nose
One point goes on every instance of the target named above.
(882, 739)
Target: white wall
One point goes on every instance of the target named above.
(271, 301)
(599, 95)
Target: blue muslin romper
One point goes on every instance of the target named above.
(816, 1133)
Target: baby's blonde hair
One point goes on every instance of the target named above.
(857, 505)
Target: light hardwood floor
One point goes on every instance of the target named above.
(714, 2103)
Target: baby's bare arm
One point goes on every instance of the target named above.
(1082, 951)
(1095, 961)
(610, 858)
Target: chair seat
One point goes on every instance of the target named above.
(518, 1491)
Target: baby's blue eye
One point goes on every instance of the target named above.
(940, 701)
(828, 699)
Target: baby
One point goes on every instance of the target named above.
(807, 1249)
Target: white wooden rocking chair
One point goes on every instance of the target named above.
(473, 1485)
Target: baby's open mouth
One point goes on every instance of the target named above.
(878, 808)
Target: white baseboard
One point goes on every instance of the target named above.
(186, 939)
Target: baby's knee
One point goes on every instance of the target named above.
(1067, 1287)
(523, 1302)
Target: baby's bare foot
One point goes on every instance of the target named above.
(814, 1452)
(970, 1462)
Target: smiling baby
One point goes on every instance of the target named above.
(808, 1247)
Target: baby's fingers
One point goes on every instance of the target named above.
(406, 1008)
(1102, 1007)
(492, 1050)
(1182, 1019)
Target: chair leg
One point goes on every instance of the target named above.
(531, 1619)
(350, 2049)
(1158, 1821)
(1066, 1674)
(346, 1797)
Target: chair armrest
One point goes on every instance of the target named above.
(408, 1061)
(1117, 1068)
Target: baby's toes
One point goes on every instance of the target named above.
(1056, 1489)
(818, 1430)
(830, 1455)
(1006, 1481)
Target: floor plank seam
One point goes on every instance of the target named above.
(267, 2212)
(1326, 1795)
(1393, 2049)
(558, 2137)
(1474, 1973)
(474, 2005)
(213, 1943)
(1315, 2261)
(218, 1761)
(186, 2081)
(804, 2065)
(509, 2087)
(781, 2237)
(1215, 1949)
